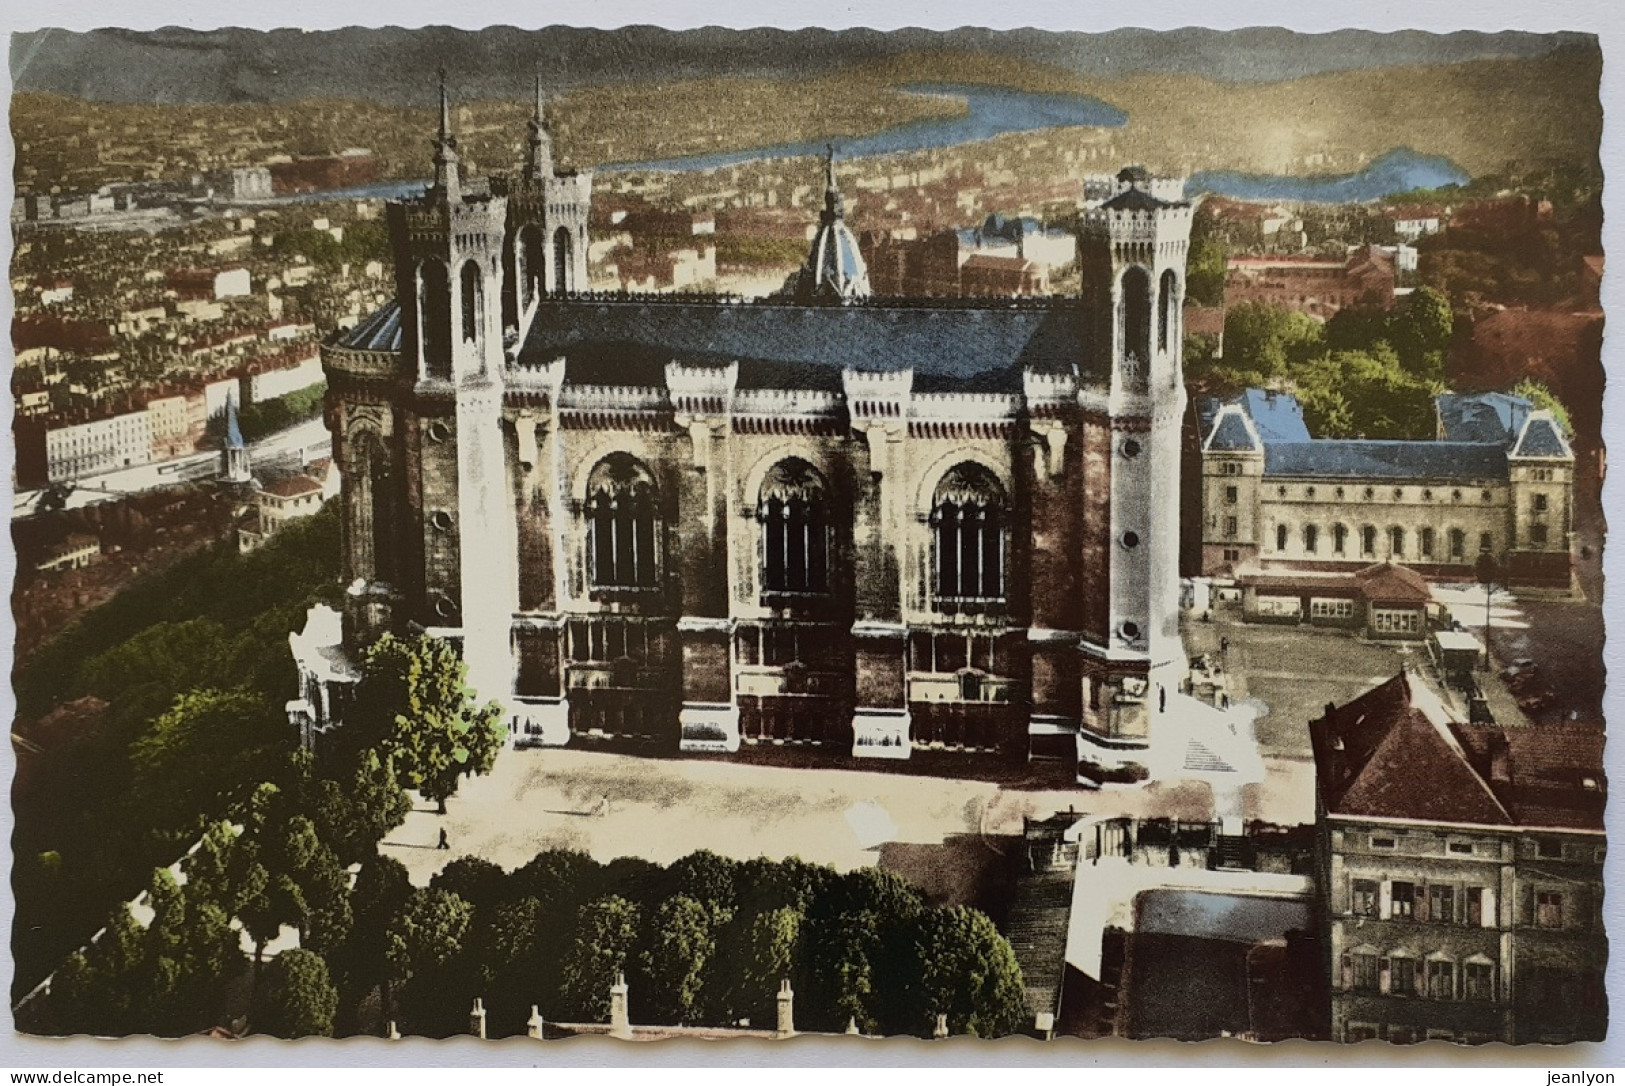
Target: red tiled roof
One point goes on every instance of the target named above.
(291, 486)
(1386, 582)
(1383, 756)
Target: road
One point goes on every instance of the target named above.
(304, 441)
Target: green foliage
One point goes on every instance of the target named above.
(1359, 394)
(295, 997)
(967, 970)
(678, 948)
(737, 249)
(353, 815)
(204, 756)
(755, 952)
(1266, 340)
(1206, 267)
(415, 704)
(166, 979)
(1539, 394)
(1421, 331)
(605, 939)
(427, 933)
(258, 420)
(363, 241)
(477, 881)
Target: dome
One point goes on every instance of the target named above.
(835, 270)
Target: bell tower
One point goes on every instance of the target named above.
(449, 272)
(545, 244)
(1132, 250)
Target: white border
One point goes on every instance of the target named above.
(1601, 17)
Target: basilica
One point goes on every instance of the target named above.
(870, 527)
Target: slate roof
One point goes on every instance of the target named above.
(1135, 199)
(1390, 753)
(1230, 434)
(782, 345)
(1277, 415)
(1488, 417)
(1375, 460)
(379, 332)
(1541, 437)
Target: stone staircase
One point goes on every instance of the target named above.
(1039, 917)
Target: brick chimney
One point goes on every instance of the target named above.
(393, 1034)
(476, 1019)
(942, 1027)
(852, 1026)
(620, 1021)
(787, 1010)
(533, 1025)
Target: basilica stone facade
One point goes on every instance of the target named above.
(879, 527)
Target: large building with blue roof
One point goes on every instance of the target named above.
(1497, 480)
(879, 527)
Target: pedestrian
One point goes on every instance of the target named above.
(603, 806)
(444, 843)
(1224, 646)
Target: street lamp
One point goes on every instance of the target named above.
(1488, 571)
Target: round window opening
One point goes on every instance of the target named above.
(1131, 448)
(1131, 630)
(441, 520)
(1398, 493)
(439, 431)
(1131, 540)
(1369, 493)
(444, 607)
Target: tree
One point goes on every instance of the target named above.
(709, 879)
(605, 938)
(1268, 339)
(426, 953)
(676, 959)
(1543, 398)
(203, 756)
(1365, 394)
(968, 971)
(755, 951)
(353, 816)
(1421, 332)
(1207, 265)
(295, 997)
(414, 698)
(477, 881)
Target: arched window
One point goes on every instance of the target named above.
(472, 313)
(532, 262)
(1458, 544)
(1368, 540)
(1396, 542)
(1166, 310)
(793, 512)
(1136, 323)
(1340, 538)
(562, 245)
(1311, 538)
(434, 318)
(1426, 543)
(968, 515)
(621, 524)
(1280, 537)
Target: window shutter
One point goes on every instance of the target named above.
(1385, 901)
(1489, 918)
(1348, 971)
(1419, 903)
(1526, 905)
(1385, 976)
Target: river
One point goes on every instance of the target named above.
(991, 111)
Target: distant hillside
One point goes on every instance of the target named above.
(395, 65)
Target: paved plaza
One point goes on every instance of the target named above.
(663, 808)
